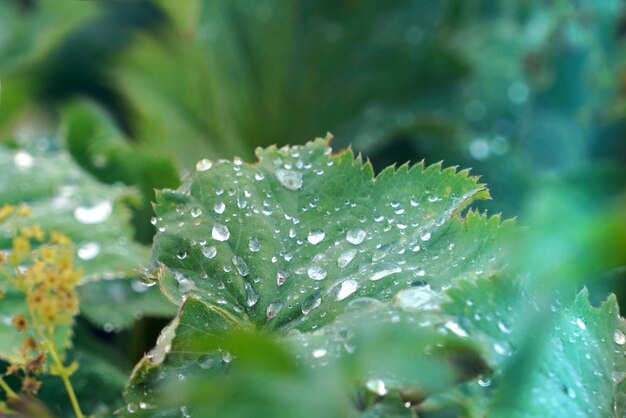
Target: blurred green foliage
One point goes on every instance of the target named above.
(529, 93)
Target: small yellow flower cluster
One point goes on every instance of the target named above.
(44, 272)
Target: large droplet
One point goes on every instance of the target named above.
(241, 266)
(290, 179)
(219, 208)
(377, 386)
(23, 160)
(94, 214)
(88, 251)
(209, 252)
(204, 164)
(382, 270)
(220, 232)
(254, 245)
(418, 298)
(346, 257)
(251, 296)
(281, 277)
(347, 288)
(316, 236)
(316, 272)
(273, 309)
(619, 337)
(355, 236)
(456, 328)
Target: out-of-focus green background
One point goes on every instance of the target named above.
(531, 94)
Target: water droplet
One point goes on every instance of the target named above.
(418, 298)
(425, 236)
(619, 337)
(281, 277)
(206, 362)
(483, 382)
(204, 165)
(581, 324)
(23, 160)
(220, 232)
(347, 288)
(93, 214)
(181, 255)
(219, 208)
(209, 252)
(382, 270)
(273, 309)
(377, 386)
(241, 266)
(131, 408)
(355, 236)
(88, 251)
(290, 179)
(251, 296)
(504, 327)
(316, 272)
(346, 257)
(195, 212)
(254, 245)
(259, 176)
(310, 304)
(320, 352)
(455, 328)
(316, 236)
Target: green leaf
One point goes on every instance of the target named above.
(64, 198)
(288, 242)
(574, 348)
(271, 246)
(116, 304)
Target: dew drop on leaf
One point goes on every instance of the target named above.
(425, 236)
(346, 288)
(316, 273)
(94, 214)
(377, 386)
(273, 309)
(88, 251)
(219, 208)
(209, 252)
(290, 179)
(281, 277)
(320, 352)
(181, 255)
(241, 266)
(220, 232)
(316, 236)
(382, 270)
(355, 236)
(456, 328)
(204, 165)
(251, 296)
(195, 212)
(619, 337)
(254, 245)
(346, 257)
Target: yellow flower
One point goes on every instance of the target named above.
(23, 210)
(58, 238)
(20, 323)
(33, 231)
(6, 211)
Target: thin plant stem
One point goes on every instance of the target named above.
(7, 389)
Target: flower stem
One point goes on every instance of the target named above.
(7, 389)
(64, 375)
